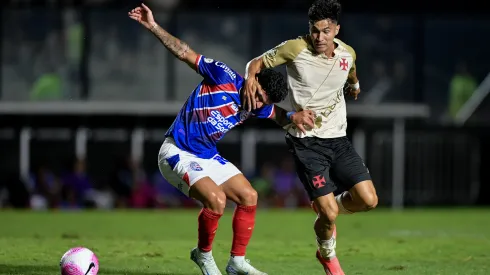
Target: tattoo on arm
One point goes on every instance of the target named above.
(177, 47)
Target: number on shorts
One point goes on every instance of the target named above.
(220, 159)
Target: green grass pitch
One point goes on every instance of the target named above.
(445, 242)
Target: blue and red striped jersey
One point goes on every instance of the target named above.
(212, 109)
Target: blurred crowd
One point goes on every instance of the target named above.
(45, 59)
(130, 186)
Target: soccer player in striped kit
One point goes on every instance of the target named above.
(189, 160)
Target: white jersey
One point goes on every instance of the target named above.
(316, 83)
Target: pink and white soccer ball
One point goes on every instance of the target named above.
(79, 261)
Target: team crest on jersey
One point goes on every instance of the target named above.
(271, 52)
(344, 64)
(208, 60)
(244, 115)
(195, 166)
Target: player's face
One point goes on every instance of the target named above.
(322, 34)
(262, 98)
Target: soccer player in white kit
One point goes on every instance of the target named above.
(318, 67)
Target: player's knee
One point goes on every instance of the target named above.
(216, 201)
(248, 197)
(364, 196)
(370, 201)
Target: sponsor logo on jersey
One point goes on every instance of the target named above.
(220, 122)
(226, 69)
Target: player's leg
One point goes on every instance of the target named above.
(190, 175)
(213, 199)
(239, 190)
(350, 170)
(313, 158)
(327, 211)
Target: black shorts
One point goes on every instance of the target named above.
(323, 165)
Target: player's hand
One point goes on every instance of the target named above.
(143, 15)
(354, 93)
(350, 91)
(251, 87)
(304, 119)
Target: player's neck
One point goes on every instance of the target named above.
(330, 52)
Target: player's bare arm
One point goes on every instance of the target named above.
(251, 84)
(283, 53)
(302, 119)
(352, 87)
(177, 47)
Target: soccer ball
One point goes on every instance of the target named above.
(79, 261)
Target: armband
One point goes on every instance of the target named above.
(289, 114)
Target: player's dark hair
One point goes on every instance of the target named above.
(274, 84)
(324, 9)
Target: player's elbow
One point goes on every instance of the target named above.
(191, 59)
(254, 66)
(352, 78)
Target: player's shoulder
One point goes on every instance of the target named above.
(300, 41)
(219, 68)
(295, 45)
(346, 47)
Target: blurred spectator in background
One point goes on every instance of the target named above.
(263, 183)
(461, 88)
(287, 189)
(47, 87)
(143, 192)
(77, 187)
(167, 195)
(122, 182)
(45, 189)
(103, 197)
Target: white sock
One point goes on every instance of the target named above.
(238, 259)
(341, 207)
(327, 248)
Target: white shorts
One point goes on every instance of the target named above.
(182, 169)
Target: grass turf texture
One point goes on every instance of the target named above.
(445, 242)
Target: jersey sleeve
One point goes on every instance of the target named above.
(215, 71)
(284, 53)
(266, 111)
(353, 67)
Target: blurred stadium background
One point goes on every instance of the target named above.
(87, 94)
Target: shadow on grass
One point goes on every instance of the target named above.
(6, 269)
